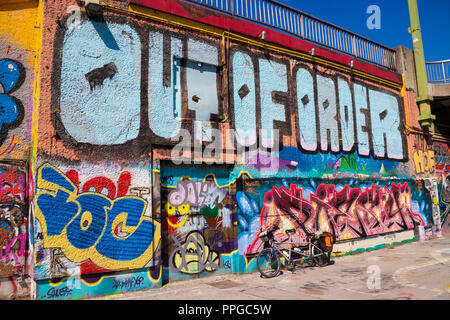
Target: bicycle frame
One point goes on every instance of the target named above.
(277, 246)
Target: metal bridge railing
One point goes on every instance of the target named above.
(279, 16)
(438, 71)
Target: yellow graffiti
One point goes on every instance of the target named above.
(181, 211)
(195, 256)
(17, 26)
(424, 161)
(14, 148)
(79, 255)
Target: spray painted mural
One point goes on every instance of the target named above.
(14, 248)
(76, 222)
(442, 160)
(349, 209)
(13, 220)
(181, 86)
(198, 220)
(123, 91)
(12, 75)
(17, 54)
(326, 108)
(90, 223)
(89, 286)
(423, 157)
(18, 34)
(16, 99)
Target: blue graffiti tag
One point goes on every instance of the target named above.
(85, 225)
(10, 107)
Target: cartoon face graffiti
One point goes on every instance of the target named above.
(177, 216)
(194, 201)
(194, 255)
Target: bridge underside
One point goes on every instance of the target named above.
(440, 107)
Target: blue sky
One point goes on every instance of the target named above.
(351, 15)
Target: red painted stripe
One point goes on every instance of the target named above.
(443, 167)
(229, 23)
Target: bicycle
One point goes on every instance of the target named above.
(316, 251)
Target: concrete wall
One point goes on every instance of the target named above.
(428, 154)
(160, 150)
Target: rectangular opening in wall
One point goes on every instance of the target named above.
(201, 90)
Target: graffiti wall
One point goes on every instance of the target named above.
(17, 58)
(17, 95)
(198, 219)
(442, 162)
(428, 162)
(423, 157)
(116, 209)
(349, 208)
(170, 80)
(93, 219)
(14, 248)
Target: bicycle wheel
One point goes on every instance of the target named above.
(268, 263)
(322, 257)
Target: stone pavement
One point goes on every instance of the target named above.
(416, 270)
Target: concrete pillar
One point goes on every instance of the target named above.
(404, 63)
(431, 186)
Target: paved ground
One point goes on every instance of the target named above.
(417, 270)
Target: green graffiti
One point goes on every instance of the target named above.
(209, 212)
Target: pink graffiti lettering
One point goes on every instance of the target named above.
(188, 191)
(9, 251)
(12, 185)
(348, 213)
